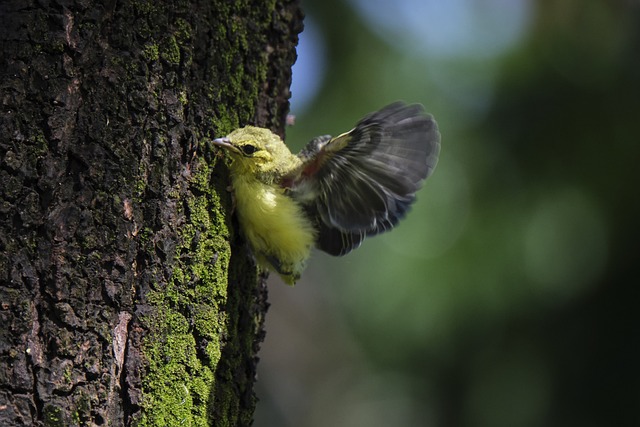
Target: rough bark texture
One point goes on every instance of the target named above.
(126, 295)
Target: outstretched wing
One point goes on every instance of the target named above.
(362, 182)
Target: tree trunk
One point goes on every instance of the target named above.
(127, 296)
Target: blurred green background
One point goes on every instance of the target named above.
(509, 296)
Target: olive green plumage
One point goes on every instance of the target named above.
(336, 191)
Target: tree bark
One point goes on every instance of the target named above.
(127, 297)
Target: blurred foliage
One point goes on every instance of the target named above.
(506, 298)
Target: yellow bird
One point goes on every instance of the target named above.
(336, 191)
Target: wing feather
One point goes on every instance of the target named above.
(363, 182)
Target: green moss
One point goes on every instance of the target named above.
(183, 29)
(181, 369)
(182, 97)
(151, 52)
(144, 7)
(83, 408)
(52, 416)
(140, 183)
(225, 123)
(177, 376)
(40, 145)
(57, 46)
(67, 374)
(170, 51)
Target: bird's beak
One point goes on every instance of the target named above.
(225, 143)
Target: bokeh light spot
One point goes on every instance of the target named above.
(449, 28)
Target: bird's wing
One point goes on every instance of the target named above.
(362, 182)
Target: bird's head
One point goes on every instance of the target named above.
(256, 151)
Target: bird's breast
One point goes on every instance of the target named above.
(273, 223)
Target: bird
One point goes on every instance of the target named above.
(335, 192)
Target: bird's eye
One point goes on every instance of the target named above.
(249, 149)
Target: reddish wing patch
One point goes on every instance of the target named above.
(314, 156)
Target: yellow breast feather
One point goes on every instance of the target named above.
(279, 233)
